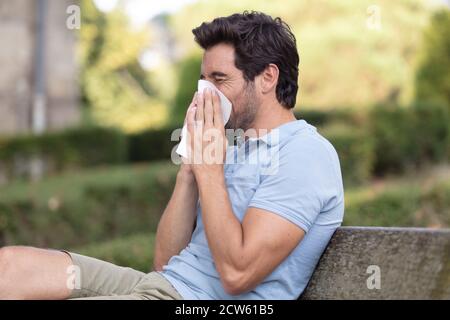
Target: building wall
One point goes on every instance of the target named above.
(17, 60)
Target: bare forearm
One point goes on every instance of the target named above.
(223, 230)
(177, 222)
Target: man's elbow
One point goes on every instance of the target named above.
(157, 267)
(158, 263)
(235, 282)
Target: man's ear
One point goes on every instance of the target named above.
(269, 78)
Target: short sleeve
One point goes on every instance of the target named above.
(302, 185)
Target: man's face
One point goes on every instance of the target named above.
(218, 67)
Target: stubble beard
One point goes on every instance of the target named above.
(246, 117)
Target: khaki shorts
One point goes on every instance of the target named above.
(101, 280)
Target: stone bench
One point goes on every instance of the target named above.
(383, 263)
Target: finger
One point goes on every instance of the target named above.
(190, 118)
(200, 107)
(218, 115)
(209, 113)
(194, 100)
(193, 104)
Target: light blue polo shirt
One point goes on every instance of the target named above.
(297, 176)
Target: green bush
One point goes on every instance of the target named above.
(81, 148)
(436, 206)
(409, 137)
(68, 149)
(355, 150)
(391, 130)
(405, 204)
(188, 75)
(135, 251)
(390, 139)
(151, 145)
(431, 133)
(433, 76)
(77, 209)
(320, 118)
(392, 208)
(156, 144)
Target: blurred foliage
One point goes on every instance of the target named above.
(118, 207)
(409, 138)
(64, 150)
(387, 139)
(355, 149)
(373, 47)
(113, 84)
(408, 202)
(134, 251)
(82, 147)
(152, 144)
(412, 202)
(321, 118)
(343, 60)
(85, 207)
(437, 208)
(393, 208)
(188, 75)
(433, 74)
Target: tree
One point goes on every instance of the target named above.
(433, 74)
(115, 88)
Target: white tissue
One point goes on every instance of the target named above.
(226, 111)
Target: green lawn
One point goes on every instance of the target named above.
(134, 251)
(70, 185)
(85, 207)
(421, 199)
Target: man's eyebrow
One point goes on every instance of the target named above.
(214, 74)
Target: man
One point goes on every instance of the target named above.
(236, 230)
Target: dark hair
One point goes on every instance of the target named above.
(258, 40)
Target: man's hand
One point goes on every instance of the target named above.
(185, 172)
(207, 137)
(177, 222)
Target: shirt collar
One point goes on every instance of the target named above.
(283, 132)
